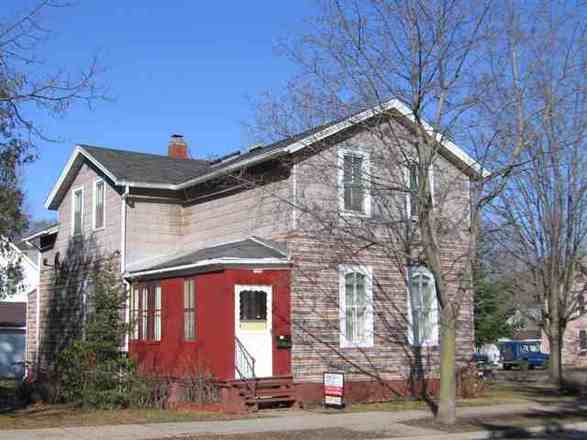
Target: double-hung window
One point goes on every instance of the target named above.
(412, 182)
(146, 313)
(583, 340)
(99, 204)
(353, 181)
(77, 211)
(189, 311)
(422, 307)
(356, 306)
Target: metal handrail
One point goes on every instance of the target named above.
(243, 354)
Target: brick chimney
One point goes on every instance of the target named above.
(178, 148)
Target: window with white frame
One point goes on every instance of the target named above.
(77, 211)
(353, 181)
(146, 313)
(582, 340)
(356, 306)
(99, 204)
(412, 181)
(422, 307)
(189, 310)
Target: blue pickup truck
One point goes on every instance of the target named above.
(522, 354)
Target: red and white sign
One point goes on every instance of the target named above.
(333, 389)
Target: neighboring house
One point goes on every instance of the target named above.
(217, 268)
(13, 308)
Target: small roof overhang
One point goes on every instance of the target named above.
(252, 252)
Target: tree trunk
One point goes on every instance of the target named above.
(447, 408)
(555, 361)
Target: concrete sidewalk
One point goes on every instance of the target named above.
(388, 422)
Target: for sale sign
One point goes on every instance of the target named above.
(334, 389)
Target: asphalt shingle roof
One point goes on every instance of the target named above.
(245, 249)
(142, 167)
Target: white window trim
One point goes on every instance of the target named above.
(74, 191)
(433, 341)
(343, 270)
(366, 169)
(408, 194)
(579, 349)
(94, 205)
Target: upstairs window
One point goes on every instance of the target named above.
(146, 313)
(581, 304)
(583, 340)
(77, 211)
(189, 310)
(354, 182)
(356, 307)
(412, 181)
(423, 308)
(99, 204)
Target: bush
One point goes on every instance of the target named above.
(470, 383)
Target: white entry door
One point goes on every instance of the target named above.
(253, 329)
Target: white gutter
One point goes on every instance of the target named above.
(210, 262)
(48, 231)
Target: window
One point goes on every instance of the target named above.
(356, 306)
(412, 180)
(189, 310)
(354, 188)
(77, 211)
(581, 304)
(253, 305)
(146, 313)
(583, 339)
(412, 198)
(99, 204)
(422, 307)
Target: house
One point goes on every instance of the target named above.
(13, 307)
(223, 273)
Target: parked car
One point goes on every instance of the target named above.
(522, 354)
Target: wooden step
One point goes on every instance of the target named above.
(271, 400)
(274, 393)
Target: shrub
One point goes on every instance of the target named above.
(470, 383)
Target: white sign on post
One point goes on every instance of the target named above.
(334, 389)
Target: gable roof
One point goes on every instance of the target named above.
(127, 168)
(250, 251)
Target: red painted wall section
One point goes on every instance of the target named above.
(213, 350)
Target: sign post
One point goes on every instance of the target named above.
(334, 390)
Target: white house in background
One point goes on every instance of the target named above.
(13, 308)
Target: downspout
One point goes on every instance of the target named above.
(38, 309)
(123, 259)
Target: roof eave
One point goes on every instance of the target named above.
(266, 262)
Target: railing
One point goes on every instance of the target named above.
(244, 362)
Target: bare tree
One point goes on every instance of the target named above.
(27, 85)
(431, 57)
(540, 219)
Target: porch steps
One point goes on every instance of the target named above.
(266, 392)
